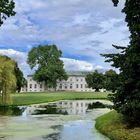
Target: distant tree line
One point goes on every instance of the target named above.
(109, 80)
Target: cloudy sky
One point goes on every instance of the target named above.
(81, 29)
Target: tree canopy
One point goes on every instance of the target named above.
(7, 79)
(6, 10)
(11, 79)
(47, 64)
(95, 80)
(127, 98)
(20, 80)
(111, 80)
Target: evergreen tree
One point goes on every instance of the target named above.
(20, 80)
(127, 98)
(111, 80)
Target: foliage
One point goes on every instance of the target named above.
(112, 125)
(127, 98)
(111, 80)
(11, 79)
(97, 105)
(49, 67)
(11, 111)
(6, 9)
(20, 80)
(7, 79)
(115, 2)
(95, 80)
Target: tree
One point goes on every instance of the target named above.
(95, 80)
(127, 98)
(6, 10)
(20, 80)
(111, 80)
(48, 66)
(7, 79)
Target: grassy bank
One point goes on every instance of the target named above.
(112, 125)
(34, 98)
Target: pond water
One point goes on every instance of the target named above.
(63, 120)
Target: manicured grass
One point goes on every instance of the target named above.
(34, 98)
(112, 125)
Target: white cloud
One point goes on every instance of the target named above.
(79, 65)
(69, 64)
(76, 65)
(19, 57)
(81, 29)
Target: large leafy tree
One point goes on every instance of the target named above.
(20, 80)
(127, 98)
(6, 10)
(111, 80)
(48, 66)
(95, 80)
(7, 79)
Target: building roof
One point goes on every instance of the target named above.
(77, 73)
(73, 73)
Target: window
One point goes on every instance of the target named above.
(30, 85)
(77, 86)
(65, 86)
(77, 80)
(70, 86)
(40, 85)
(81, 80)
(81, 86)
(35, 86)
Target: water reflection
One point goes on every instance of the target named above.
(11, 111)
(73, 107)
(65, 107)
(54, 136)
(60, 107)
(76, 125)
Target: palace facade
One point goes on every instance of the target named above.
(75, 82)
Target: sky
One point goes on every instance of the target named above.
(81, 29)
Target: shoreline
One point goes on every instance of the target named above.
(112, 126)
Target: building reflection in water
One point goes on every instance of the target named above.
(74, 107)
(70, 107)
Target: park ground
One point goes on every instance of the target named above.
(113, 126)
(36, 98)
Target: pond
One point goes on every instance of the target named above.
(62, 120)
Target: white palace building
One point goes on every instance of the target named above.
(75, 82)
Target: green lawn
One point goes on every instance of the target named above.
(111, 125)
(34, 98)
